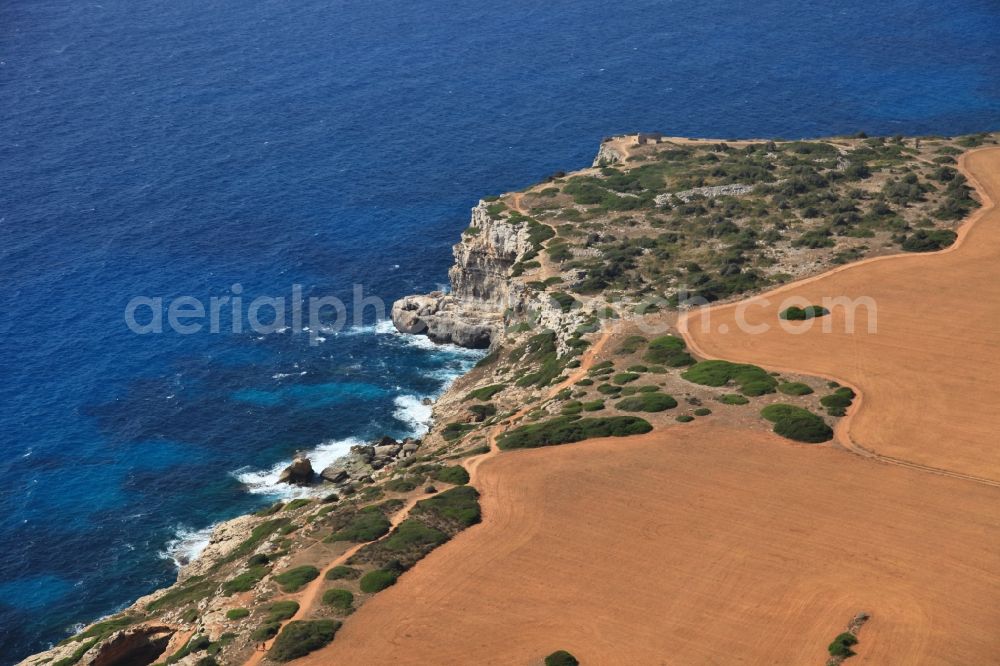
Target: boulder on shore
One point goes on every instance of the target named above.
(299, 473)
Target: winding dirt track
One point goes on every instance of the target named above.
(928, 375)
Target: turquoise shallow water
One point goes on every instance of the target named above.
(168, 148)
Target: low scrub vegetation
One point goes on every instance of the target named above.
(301, 637)
(338, 598)
(378, 580)
(561, 658)
(794, 388)
(733, 399)
(366, 525)
(647, 402)
(455, 474)
(567, 429)
(795, 313)
(750, 379)
(842, 644)
(797, 424)
(836, 403)
(668, 350)
(295, 579)
(342, 572)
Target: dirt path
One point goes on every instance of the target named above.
(926, 377)
(308, 596)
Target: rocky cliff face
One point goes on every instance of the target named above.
(482, 288)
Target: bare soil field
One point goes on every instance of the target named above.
(927, 375)
(697, 546)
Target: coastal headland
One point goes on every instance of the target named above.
(688, 493)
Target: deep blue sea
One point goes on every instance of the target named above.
(167, 148)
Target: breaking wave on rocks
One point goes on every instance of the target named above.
(187, 545)
(265, 482)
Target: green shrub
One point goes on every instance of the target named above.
(378, 580)
(266, 632)
(455, 474)
(668, 350)
(484, 393)
(593, 406)
(297, 504)
(453, 431)
(795, 313)
(733, 399)
(237, 613)
(924, 240)
(567, 429)
(280, 611)
(794, 388)
(637, 368)
(400, 485)
(301, 637)
(270, 510)
(750, 379)
(412, 533)
(459, 506)
(338, 598)
(685, 418)
(585, 382)
(367, 524)
(837, 402)
(608, 389)
(295, 579)
(245, 581)
(647, 402)
(797, 424)
(702, 411)
(841, 645)
(631, 344)
(625, 377)
(561, 658)
(342, 572)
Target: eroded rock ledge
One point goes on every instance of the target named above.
(482, 290)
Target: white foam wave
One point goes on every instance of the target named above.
(265, 481)
(411, 410)
(187, 545)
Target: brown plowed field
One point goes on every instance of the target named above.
(701, 546)
(930, 374)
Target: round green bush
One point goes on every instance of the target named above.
(338, 598)
(625, 377)
(685, 418)
(836, 403)
(295, 579)
(794, 388)
(378, 580)
(647, 402)
(809, 429)
(668, 350)
(702, 411)
(750, 379)
(778, 411)
(801, 314)
(301, 637)
(733, 399)
(608, 389)
(237, 613)
(455, 474)
(637, 368)
(282, 610)
(561, 658)
(342, 572)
